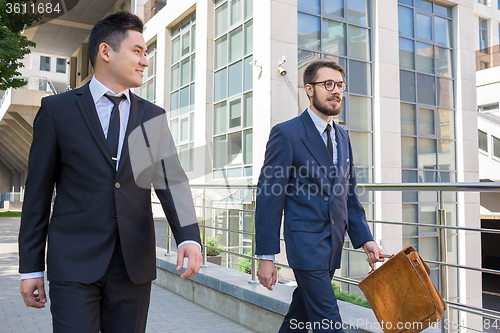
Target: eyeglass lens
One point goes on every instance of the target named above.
(330, 85)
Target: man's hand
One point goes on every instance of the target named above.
(373, 252)
(267, 273)
(193, 253)
(32, 299)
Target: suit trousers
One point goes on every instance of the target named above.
(313, 305)
(113, 304)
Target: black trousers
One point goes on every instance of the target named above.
(313, 305)
(113, 304)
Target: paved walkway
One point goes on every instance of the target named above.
(168, 312)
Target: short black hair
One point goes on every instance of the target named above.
(312, 69)
(112, 30)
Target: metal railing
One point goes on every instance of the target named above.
(219, 198)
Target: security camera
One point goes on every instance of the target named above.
(280, 66)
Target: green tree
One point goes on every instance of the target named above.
(13, 45)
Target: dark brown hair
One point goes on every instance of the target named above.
(112, 30)
(312, 69)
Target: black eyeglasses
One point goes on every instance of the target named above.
(330, 85)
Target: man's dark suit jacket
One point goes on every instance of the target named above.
(320, 203)
(94, 203)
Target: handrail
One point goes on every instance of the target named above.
(441, 230)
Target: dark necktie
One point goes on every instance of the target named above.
(329, 144)
(114, 126)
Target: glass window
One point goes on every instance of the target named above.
(359, 43)
(408, 152)
(445, 93)
(235, 78)
(333, 8)
(426, 121)
(407, 86)
(236, 44)
(249, 37)
(220, 118)
(483, 34)
(176, 50)
(361, 148)
(236, 11)
(174, 127)
(235, 156)
(310, 6)
(221, 20)
(186, 41)
(184, 129)
(220, 151)
(446, 154)
(248, 73)
(174, 77)
(442, 27)
(185, 67)
(61, 65)
(174, 104)
(333, 37)
(184, 100)
(426, 153)
(408, 120)
(425, 58)
(248, 109)
(357, 12)
(446, 124)
(405, 21)
(424, 5)
(443, 62)
(425, 89)
(406, 53)
(45, 64)
(360, 113)
(483, 140)
(424, 26)
(221, 52)
(410, 214)
(247, 144)
(309, 31)
(360, 81)
(220, 85)
(442, 10)
(496, 147)
(235, 113)
(248, 9)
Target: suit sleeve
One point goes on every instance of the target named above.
(271, 192)
(358, 229)
(172, 188)
(43, 169)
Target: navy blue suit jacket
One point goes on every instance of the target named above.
(319, 201)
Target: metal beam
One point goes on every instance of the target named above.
(14, 151)
(27, 137)
(22, 121)
(14, 160)
(9, 136)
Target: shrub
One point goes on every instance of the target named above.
(212, 252)
(353, 298)
(245, 265)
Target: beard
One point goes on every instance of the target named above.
(325, 108)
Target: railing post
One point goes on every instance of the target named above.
(443, 257)
(254, 268)
(204, 232)
(169, 252)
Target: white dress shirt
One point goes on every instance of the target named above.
(320, 126)
(104, 107)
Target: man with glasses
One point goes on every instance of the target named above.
(309, 174)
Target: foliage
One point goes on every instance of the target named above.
(212, 252)
(353, 298)
(245, 265)
(6, 213)
(13, 45)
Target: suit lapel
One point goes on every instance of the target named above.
(316, 145)
(134, 120)
(87, 108)
(341, 153)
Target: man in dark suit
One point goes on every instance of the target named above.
(309, 174)
(101, 237)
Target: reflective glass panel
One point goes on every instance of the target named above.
(235, 113)
(176, 50)
(429, 249)
(249, 37)
(425, 58)
(442, 10)
(360, 81)
(235, 78)
(361, 148)
(236, 11)
(483, 140)
(220, 85)
(443, 61)
(408, 121)
(446, 124)
(405, 21)
(424, 26)
(248, 109)
(174, 78)
(310, 6)
(359, 43)
(193, 67)
(304, 58)
(445, 93)
(186, 41)
(235, 156)
(446, 155)
(247, 144)
(308, 31)
(407, 86)
(185, 67)
(406, 53)
(426, 153)
(191, 126)
(236, 44)
(333, 37)
(424, 5)
(248, 8)
(191, 97)
(357, 12)
(184, 100)
(220, 118)
(442, 27)
(410, 214)
(428, 216)
(151, 90)
(193, 38)
(426, 91)
(333, 7)
(221, 52)
(406, 2)
(220, 151)
(184, 129)
(408, 152)
(174, 104)
(248, 74)
(426, 121)
(221, 20)
(360, 113)
(174, 128)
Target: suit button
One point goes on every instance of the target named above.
(114, 214)
(117, 185)
(326, 199)
(332, 222)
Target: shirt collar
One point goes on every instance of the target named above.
(318, 122)
(97, 90)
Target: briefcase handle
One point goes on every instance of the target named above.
(386, 256)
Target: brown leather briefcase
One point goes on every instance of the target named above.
(402, 295)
